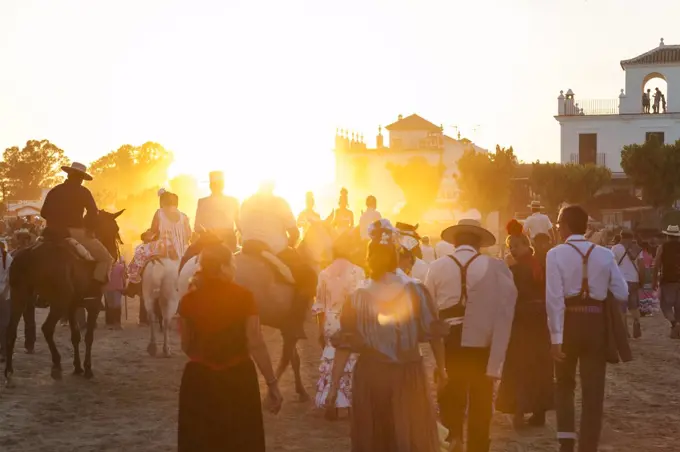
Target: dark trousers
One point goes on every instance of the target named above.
(584, 345)
(468, 388)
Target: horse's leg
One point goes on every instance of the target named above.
(151, 318)
(48, 331)
(299, 387)
(286, 356)
(17, 309)
(75, 340)
(92, 306)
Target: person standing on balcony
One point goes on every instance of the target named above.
(645, 101)
(657, 99)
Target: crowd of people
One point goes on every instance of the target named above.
(527, 321)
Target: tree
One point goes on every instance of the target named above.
(654, 167)
(484, 180)
(26, 172)
(557, 183)
(129, 171)
(419, 181)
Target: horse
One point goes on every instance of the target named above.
(52, 269)
(274, 296)
(160, 295)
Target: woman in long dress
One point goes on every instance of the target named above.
(527, 381)
(219, 397)
(385, 321)
(336, 283)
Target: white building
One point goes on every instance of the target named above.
(595, 131)
(365, 170)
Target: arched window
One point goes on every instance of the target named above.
(656, 88)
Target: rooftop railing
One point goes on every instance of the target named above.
(588, 107)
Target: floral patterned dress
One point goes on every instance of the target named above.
(336, 283)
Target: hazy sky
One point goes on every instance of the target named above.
(227, 83)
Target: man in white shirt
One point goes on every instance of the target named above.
(476, 295)
(370, 216)
(309, 215)
(576, 320)
(628, 257)
(218, 213)
(429, 255)
(538, 223)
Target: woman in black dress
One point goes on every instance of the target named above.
(219, 397)
(527, 382)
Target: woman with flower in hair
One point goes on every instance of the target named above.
(385, 321)
(527, 381)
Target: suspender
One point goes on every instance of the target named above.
(585, 289)
(632, 261)
(463, 276)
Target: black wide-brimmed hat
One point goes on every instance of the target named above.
(77, 169)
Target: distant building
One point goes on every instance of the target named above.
(595, 131)
(366, 170)
(25, 207)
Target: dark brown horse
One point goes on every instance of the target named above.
(62, 280)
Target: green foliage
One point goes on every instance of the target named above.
(129, 171)
(484, 179)
(573, 183)
(419, 181)
(654, 167)
(26, 172)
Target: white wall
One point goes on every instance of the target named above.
(635, 78)
(614, 132)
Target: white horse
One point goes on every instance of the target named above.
(159, 284)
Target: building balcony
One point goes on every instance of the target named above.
(600, 159)
(588, 107)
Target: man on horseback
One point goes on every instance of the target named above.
(268, 225)
(309, 215)
(63, 211)
(218, 213)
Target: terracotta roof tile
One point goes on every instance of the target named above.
(661, 55)
(413, 122)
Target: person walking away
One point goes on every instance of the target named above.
(648, 296)
(538, 222)
(219, 396)
(342, 218)
(309, 215)
(336, 283)
(628, 255)
(666, 277)
(476, 296)
(368, 217)
(579, 274)
(268, 225)
(527, 381)
(5, 301)
(386, 320)
(429, 255)
(113, 295)
(218, 213)
(23, 239)
(63, 210)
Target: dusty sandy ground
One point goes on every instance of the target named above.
(131, 405)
